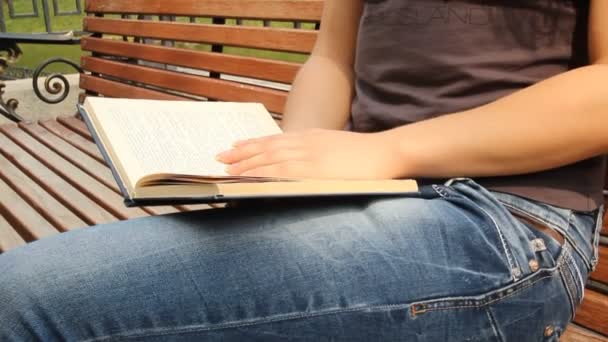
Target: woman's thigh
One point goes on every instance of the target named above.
(383, 269)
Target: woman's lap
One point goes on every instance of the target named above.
(452, 267)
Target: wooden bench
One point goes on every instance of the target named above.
(52, 177)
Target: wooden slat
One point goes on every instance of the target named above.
(41, 201)
(288, 40)
(116, 89)
(575, 333)
(277, 71)
(85, 208)
(592, 314)
(83, 141)
(303, 10)
(193, 207)
(601, 272)
(274, 100)
(75, 125)
(93, 168)
(9, 239)
(83, 144)
(22, 217)
(86, 184)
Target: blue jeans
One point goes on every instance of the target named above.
(451, 265)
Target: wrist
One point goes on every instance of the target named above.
(397, 157)
(412, 151)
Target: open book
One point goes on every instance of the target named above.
(163, 152)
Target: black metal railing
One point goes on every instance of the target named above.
(56, 85)
(36, 12)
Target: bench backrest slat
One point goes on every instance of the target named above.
(306, 10)
(274, 100)
(289, 40)
(264, 69)
(117, 89)
(198, 49)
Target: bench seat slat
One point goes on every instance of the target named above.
(274, 100)
(45, 204)
(601, 272)
(84, 207)
(257, 68)
(309, 10)
(73, 138)
(23, 218)
(103, 196)
(93, 168)
(192, 207)
(116, 89)
(592, 313)
(287, 40)
(75, 125)
(9, 239)
(576, 333)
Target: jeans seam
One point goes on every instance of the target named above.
(579, 276)
(423, 306)
(510, 259)
(476, 306)
(569, 294)
(494, 325)
(239, 324)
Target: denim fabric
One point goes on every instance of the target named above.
(450, 265)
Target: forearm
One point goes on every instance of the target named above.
(320, 97)
(553, 123)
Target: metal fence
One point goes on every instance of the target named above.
(39, 8)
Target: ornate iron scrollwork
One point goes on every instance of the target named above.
(55, 83)
(13, 52)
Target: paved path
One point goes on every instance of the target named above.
(32, 108)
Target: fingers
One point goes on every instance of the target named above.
(249, 148)
(287, 169)
(264, 159)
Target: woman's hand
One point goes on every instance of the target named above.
(315, 154)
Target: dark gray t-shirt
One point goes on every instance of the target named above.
(418, 59)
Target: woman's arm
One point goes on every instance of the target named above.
(322, 91)
(556, 122)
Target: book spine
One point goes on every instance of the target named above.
(87, 120)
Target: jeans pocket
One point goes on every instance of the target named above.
(524, 309)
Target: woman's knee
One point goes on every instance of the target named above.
(28, 296)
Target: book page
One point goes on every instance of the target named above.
(177, 137)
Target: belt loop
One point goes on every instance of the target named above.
(453, 180)
(596, 237)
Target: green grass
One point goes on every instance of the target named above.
(34, 54)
